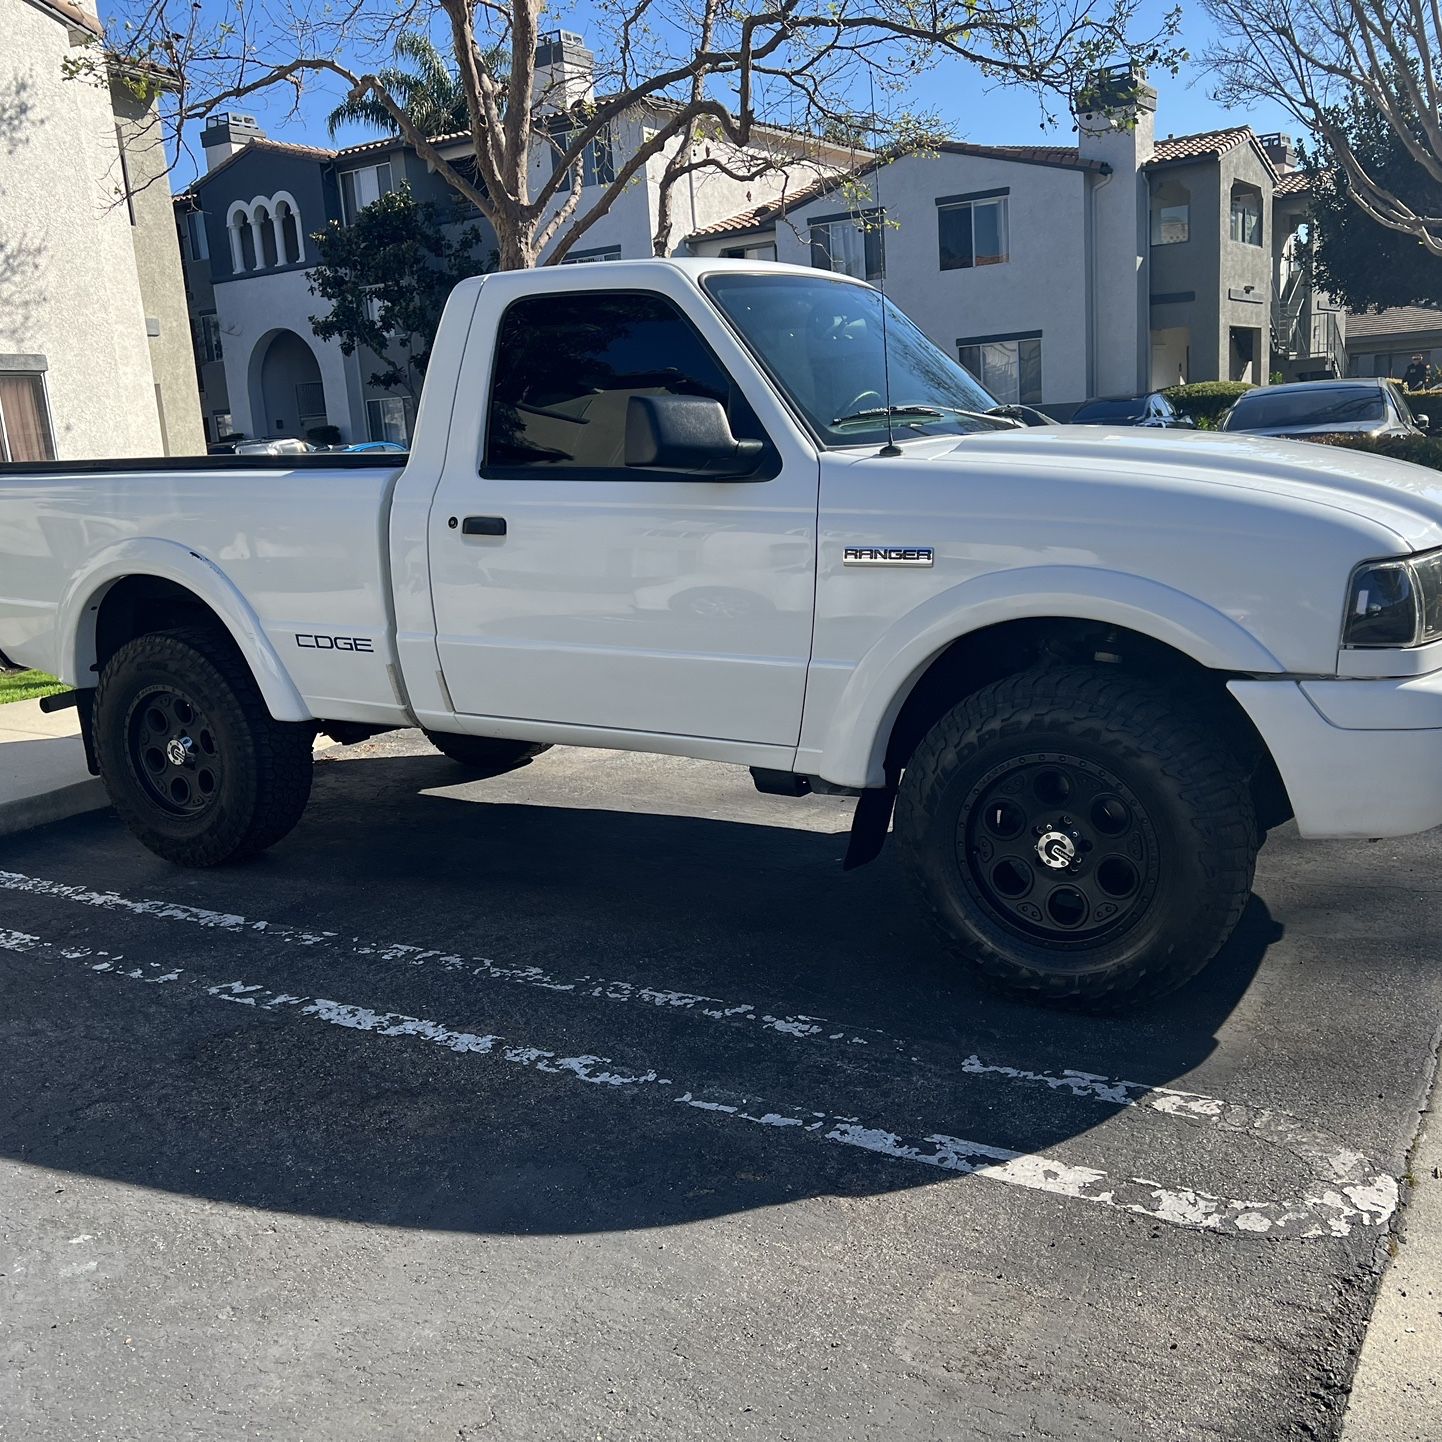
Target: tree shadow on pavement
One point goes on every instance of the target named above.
(167, 1087)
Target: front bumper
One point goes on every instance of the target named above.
(1358, 758)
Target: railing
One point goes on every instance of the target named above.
(1300, 332)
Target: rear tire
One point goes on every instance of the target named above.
(486, 755)
(194, 763)
(1074, 834)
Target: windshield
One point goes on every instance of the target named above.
(1326, 406)
(1133, 408)
(820, 340)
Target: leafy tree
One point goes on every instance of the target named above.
(716, 80)
(387, 277)
(1364, 264)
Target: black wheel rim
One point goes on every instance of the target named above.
(174, 752)
(1059, 850)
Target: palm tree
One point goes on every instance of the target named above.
(430, 93)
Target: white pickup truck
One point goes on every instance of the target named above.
(750, 513)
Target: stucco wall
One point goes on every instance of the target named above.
(157, 261)
(251, 309)
(69, 287)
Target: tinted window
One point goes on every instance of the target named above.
(1131, 409)
(568, 364)
(1327, 405)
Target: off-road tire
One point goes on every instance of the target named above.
(486, 755)
(1193, 858)
(263, 766)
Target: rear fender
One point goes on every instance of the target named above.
(172, 561)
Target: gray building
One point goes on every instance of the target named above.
(1382, 343)
(246, 228)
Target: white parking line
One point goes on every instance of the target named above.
(1344, 1197)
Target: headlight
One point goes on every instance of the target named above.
(1395, 603)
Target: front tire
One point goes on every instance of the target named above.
(1075, 835)
(193, 761)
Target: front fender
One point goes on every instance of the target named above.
(854, 741)
(171, 561)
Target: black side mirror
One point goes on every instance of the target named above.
(1424, 421)
(687, 435)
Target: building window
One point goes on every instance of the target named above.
(850, 245)
(589, 257)
(1008, 366)
(599, 165)
(206, 328)
(1171, 214)
(972, 232)
(287, 232)
(386, 420)
(766, 250)
(25, 430)
(359, 188)
(264, 224)
(222, 423)
(242, 240)
(198, 241)
(1246, 215)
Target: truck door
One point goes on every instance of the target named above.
(569, 587)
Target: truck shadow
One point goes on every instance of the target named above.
(166, 1088)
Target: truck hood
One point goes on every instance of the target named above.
(1404, 497)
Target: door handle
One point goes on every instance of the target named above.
(483, 526)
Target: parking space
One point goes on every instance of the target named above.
(594, 1101)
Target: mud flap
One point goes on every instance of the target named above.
(870, 822)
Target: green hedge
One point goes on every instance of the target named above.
(1206, 401)
(1420, 450)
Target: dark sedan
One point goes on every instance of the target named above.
(1151, 409)
(1362, 407)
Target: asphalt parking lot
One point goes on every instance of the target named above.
(595, 1102)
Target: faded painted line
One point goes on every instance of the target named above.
(1326, 1156)
(1329, 1207)
(413, 955)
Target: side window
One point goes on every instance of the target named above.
(567, 365)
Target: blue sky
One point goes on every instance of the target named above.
(975, 111)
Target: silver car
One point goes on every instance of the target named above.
(1362, 407)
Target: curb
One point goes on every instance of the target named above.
(60, 805)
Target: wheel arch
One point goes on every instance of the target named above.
(146, 585)
(885, 713)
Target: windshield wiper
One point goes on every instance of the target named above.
(915, 414)
(880, 413)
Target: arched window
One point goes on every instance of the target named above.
(242, 239)
(1171, 213)
(264, 236)
(289, 244)
(1246, 214)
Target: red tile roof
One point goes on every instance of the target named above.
(1294, 182)
(261, 142)
(1207, 145)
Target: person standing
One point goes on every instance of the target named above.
(1414, 378)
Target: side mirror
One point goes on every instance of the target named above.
(687, 435)
(1424, 422)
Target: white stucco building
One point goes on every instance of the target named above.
(95, 358)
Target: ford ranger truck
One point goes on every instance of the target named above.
(688, 507)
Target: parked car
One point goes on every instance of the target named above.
(261, 446)
(692, 508)
(1152, 409)
(388, 448)
(1366, 406)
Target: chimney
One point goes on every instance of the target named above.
(1116, 125)
(226, 134)
(565, 72)
(1280, 151)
